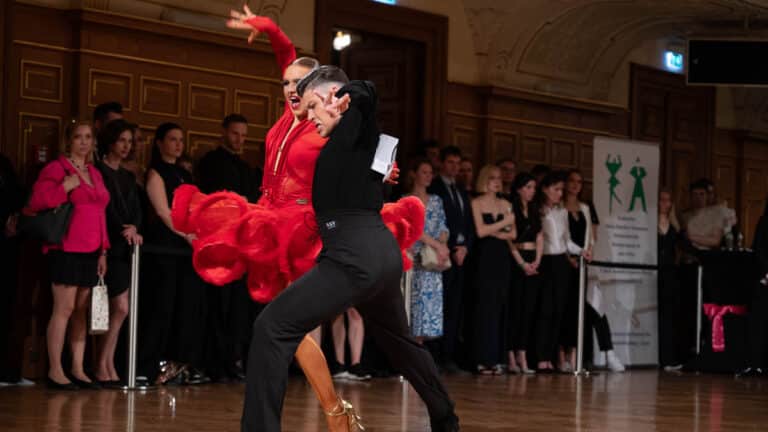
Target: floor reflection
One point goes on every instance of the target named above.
(637, 401)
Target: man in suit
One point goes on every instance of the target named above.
(232, 311)
(458, 215)
(224, 169)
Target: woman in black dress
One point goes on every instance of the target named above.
(123, 221)
(173, 297)
(495, 224)
(670, 347)
(527, 250)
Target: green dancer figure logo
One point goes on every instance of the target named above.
(613, 167)
(639, 173)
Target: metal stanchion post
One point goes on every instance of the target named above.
(580, 371)
(133, 313)
(699, 306)
(405, 285)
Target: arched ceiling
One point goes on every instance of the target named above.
(576, 46)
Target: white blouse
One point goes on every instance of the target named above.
(557, 236)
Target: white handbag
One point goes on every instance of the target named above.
(428, 260)
(99, 318)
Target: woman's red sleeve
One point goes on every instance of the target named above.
(285, 52)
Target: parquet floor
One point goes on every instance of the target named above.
(635, 401)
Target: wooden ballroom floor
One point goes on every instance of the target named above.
(634, 401)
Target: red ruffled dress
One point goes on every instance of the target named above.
(275, 240)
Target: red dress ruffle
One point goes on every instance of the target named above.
(275, 240)
(274, 245)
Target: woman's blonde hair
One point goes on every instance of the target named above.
(481, 185)
(307, 62)
(672, 212)
(69, 132)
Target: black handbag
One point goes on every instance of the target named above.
(48, 226)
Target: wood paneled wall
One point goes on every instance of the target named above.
(159, 72)
(489, 123)
(740, 171)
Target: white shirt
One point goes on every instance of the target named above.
(557, 236)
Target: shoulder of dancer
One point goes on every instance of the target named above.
(363, 96)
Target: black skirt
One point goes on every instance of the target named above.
(118, 277)
(74, 268)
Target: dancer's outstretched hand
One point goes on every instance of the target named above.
(238, 21)
(335, 106)
(394, 175)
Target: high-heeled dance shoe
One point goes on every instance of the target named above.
(53, 385)
(86, 385)
(344, 408)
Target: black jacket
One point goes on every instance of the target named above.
(12, 193)
(459, 221)
(221, 170)
(760, 244)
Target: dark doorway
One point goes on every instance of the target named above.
(396, 66)
(403, 51)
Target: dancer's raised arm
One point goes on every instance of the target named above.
(285, 52)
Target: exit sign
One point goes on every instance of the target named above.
(673, 61)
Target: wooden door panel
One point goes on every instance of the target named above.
(724, 175)
(396, 67)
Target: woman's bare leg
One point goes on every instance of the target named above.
(77, 332)
(63, 305)
(315, 367)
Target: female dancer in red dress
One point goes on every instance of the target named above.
(276, 240)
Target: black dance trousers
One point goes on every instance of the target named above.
(522, 305)
(11, 311)
(172, 310)
(556, 271)
(671, 338)
(453, 299)
(229, 325)
(757, 322)
(360, 265)
(599, 323)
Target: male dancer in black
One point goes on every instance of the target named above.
(360, 264)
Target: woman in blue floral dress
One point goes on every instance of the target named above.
(427, 289)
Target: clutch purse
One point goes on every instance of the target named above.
(428, 260)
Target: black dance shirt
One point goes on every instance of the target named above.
(667, 247)
(159, 236)
(124, 206)
(528, 227)
(343, 177)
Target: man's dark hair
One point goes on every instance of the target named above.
(449, 151)
(702, 183)
(322, 75)
(233, 118)
(505, 160)
(102, 111)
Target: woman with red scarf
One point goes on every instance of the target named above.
(276, 240)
